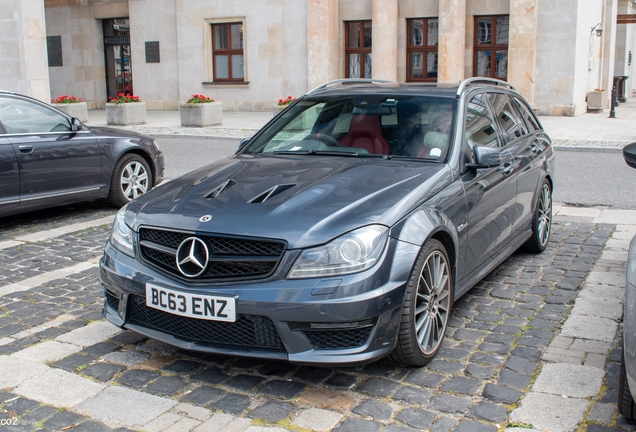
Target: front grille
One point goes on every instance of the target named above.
(247, 332)
(230, 258)
(112, 301)
(339, 339)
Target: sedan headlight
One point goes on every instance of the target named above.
(122, 236)
(353, 252)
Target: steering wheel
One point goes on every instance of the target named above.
(328, 140)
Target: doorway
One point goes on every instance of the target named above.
(117, 57)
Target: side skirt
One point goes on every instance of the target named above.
(480, 272)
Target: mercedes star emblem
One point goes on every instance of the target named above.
(192, 257)
(206, 218)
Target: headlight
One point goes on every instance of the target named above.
(350, 253)
(122, 236)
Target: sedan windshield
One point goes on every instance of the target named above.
(363, 125)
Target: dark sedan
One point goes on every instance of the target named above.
(49, 159)
(340, 233)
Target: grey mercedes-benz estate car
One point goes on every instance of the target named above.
(340, 233)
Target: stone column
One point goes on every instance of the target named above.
(608, 47)
(24, 67)
(384, 49)
(322, 41)
(522, 46)
(452, 29)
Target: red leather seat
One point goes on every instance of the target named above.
(365, 132)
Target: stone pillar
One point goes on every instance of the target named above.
(452, 29)
(608, 47)
(322, 42)
(522, 46)
(384, 16)
(24, 67)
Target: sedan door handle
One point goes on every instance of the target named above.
(25, 148)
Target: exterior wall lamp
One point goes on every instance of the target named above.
(598, 29)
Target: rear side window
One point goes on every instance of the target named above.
(527, 115)
(480, 126)
(508, 117)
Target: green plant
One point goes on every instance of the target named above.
(64, 99)
(123, 98)
(199, 98)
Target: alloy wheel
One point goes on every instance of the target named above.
(545, 215)
(134, 180)
(432, 302)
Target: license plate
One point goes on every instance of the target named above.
(206, 307)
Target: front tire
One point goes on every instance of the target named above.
(541, 220)
(131, 178)
(426, 307)
(626, 406)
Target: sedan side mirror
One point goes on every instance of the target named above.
(629, 153)
(485, 157)
(76, 125)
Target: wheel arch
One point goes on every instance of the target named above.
(139, 152)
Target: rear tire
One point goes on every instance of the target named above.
(131, 178)
(427, 305)
(541, 220)
(626, 406)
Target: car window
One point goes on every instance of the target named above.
(531, 121)
(513, 127)
(402, 126)
(480, 126)
(19, 116)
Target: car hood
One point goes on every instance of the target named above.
(303, 200)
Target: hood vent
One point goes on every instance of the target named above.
(219, 189)
(270, 193)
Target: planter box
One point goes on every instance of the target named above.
(596, 101)
(201, 114)
(77, 110)
(126, 113)
(278, 108)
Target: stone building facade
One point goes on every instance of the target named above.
(249, 53)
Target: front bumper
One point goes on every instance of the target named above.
(345, 320)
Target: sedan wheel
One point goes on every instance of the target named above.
(626, 406)
(541, 221)
(131, 179)
(427, 304)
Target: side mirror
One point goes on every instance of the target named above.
(629, 153)
(243, 142)
(75, 124)
(485, 157)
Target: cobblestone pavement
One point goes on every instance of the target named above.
(533, 345)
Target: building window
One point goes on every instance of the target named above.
(421, 49)
(491, 46)
(227, 52)
(358, 49)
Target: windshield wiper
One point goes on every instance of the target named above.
(350, 153)
(411, 158)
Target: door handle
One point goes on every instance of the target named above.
(507, 168)
(534, 148)
(25, 148)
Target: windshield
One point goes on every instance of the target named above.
(408, 127)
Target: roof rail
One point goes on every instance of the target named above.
(472, 80)
(351, 81)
